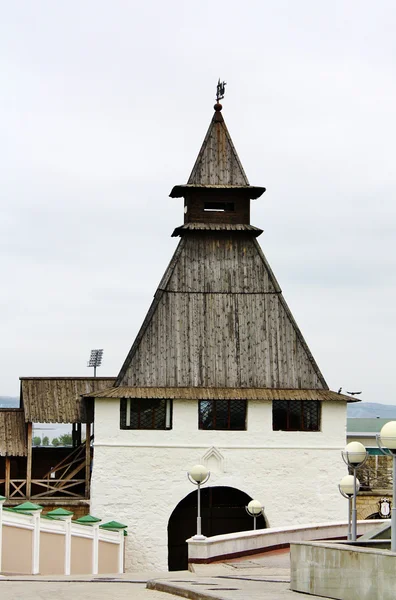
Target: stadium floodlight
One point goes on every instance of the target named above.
(95, 360)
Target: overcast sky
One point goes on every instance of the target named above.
(103, 108)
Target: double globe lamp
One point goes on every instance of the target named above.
(354, 455)
(386, 441)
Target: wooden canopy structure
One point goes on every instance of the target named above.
(58, 399)
(48, 400)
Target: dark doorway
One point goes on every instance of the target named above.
(222, 511)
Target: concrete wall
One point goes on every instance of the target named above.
(141, 475)
(233, 545)
(81, 556)
(52, 554)
(343, 572)
(108, 557)
(17, 550)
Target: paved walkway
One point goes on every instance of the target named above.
(263, 577)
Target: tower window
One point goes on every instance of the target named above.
(145, 413)
(222, 414)
(219, 207)
(296, 415)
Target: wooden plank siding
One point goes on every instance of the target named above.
(58, 399)
(219, 319)
(13, 441)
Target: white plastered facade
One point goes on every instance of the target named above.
(140, 476)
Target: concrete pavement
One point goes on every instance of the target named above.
(262, 577)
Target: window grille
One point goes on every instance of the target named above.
(296, 415)
(222, 414)
(145, 413)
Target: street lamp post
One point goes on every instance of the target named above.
(254, 509)
(386, 441)
(346, 487)
(354, 455)
(198, 476)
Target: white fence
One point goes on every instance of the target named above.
(31, 543)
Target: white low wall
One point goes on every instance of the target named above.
(31, 544)
(343, 572)
(251, 542)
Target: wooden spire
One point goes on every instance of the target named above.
(218, 162)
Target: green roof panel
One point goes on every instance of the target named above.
(59, 512)
(27, 506)
(113, 525)
(87, 520)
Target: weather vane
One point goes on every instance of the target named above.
(220, 90)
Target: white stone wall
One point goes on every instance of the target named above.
(139, 477)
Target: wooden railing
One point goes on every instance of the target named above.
(57, 488)
(62, 481)
(49, 488)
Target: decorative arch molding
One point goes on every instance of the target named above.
(214, 460)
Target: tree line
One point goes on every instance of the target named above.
(63, 440)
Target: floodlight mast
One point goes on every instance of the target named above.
(95, 360)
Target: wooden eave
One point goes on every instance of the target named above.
(209, 393)
(240, 227)
(250, 192)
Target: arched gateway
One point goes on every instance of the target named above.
(222, 511)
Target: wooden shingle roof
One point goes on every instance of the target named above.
(12, 432)
(58, 399)
(221, 394)
(219, 319)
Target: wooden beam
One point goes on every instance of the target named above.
(87, 459)
(7, 476)
(29, 460)
(78, 434)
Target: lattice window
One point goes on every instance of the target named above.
(145, 413)
(296, 415)
(222, 414)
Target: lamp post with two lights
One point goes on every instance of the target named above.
(386, 441)
(354, 455)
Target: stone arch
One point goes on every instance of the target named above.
(222, 511)
(367, 511)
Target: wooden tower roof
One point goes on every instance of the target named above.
(218, 165)
(218, 318)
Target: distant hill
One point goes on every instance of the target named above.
(9, 402)
(371, 410)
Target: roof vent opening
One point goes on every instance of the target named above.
(219, 207)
